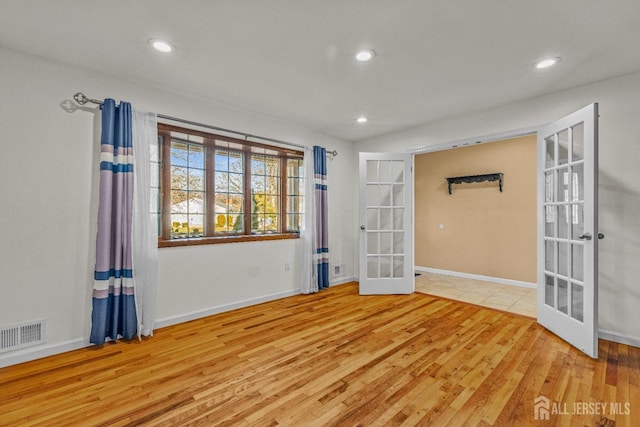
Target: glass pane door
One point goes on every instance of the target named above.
(386, 237)
(567, 228)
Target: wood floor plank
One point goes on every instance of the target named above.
(332, 358)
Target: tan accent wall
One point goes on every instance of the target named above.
(484, 231)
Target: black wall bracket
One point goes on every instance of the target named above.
(476, 178)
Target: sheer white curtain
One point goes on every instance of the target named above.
(145, 219)
(306, 260)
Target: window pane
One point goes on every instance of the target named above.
(398, 242)
(577, 142)
(563, 221)
(179, 178)
(563, 185)
(398, 266)
(372, 219)
(549, 289)
(550, 153)
(385, 219)
(237, 223)
(372, 267)
(385, 195)
(563, 147)
(222, 182)
(221, 161)
(549, 255)
(196, 156)
(271, 223)
(178, 201)
(224, 204)
(235, 203)
(265, 189)
(397, 171)
(372, 244)
(258, 166)
(293, 185)
(398, 216)
(236, 183)
(258, 184)
(196, 202)
(293, 222)
(577, 301)
(385, 266)
(196, 180)
(384, 170)
(235, 162)
(563, 258)
(179, 154)
(372, 171)
(563, 297)
(272, 204)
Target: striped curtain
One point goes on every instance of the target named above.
(114, 307)
(321, 257)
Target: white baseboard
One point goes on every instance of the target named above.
(41, 351)
(620, 339)
(342, 281)
(477, 277)
(186, 317)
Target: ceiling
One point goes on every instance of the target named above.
(293, 59)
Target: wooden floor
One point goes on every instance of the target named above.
(333, 358)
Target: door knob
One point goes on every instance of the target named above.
(600, 236)
(585, 236)
(362, 227)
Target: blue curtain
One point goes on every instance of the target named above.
(114, 307)
(322, 216)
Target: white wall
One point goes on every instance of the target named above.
(619, 206)
(48, 178)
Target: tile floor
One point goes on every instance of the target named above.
(509, 298)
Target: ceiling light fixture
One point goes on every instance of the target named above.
(162, 46)
(546, 63)
(362, 119)
(365, 55)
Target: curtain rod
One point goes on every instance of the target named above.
(82, 99)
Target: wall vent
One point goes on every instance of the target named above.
(338, 270)
(22, 335)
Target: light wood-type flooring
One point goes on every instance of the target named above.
(333, 358)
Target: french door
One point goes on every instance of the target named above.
(568, 229)
(386, 224)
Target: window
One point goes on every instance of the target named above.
(216, 189)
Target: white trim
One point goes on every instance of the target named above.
(34, 353)
(494, 137)
(620, 339)
(478, 277)
(187, 317)
(342, 281)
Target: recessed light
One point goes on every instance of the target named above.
(365, 55)
(362, 119)
(162, 46)
(546, 63)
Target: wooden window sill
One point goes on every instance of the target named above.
(225, 239)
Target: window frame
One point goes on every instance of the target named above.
(209, 144)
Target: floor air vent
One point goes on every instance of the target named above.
(22, 335)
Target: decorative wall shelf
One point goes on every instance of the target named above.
(476, 178)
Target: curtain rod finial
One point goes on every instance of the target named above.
(80, 98)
